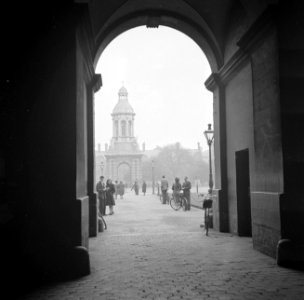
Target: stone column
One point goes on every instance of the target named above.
(93, 203)
(220, 198)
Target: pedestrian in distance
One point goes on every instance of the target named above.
(110, 195)
(121, 189)
(116, 189)
(186, 188)
(101, 190)
(176, 188)
(164, 185)
(144, 188)
(135, 187)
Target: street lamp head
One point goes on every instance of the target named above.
(209, 134)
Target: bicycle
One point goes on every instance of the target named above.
(207, 207)
(102, 225)
(178, 201)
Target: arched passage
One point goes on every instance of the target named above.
(124, 173)
(200, 33)
(186, 20)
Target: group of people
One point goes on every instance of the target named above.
(106, 192)
(119, 189)
(177, 187)
(135, 187)
(109, 191)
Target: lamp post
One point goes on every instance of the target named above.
(153, 179)
(209, 134)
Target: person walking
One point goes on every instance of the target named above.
(186, 188)
(121, 189)
(144, 188)
(135, 187)
(164, 185)
(116, 189)
(101, 190)
(110, 195)
(176, 188)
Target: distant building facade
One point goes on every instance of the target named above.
(123, 156)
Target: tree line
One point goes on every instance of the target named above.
(175, 161)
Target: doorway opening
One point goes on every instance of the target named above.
(243, 193)
(124, 174)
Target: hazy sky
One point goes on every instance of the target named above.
(164, 72)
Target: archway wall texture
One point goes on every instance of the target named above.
(46, 152)
(252, 120)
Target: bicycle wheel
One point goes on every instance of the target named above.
(104, 222)
(175, 203)
(184, 203)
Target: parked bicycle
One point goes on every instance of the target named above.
(178, 201)
(102, 225)
(207, 207)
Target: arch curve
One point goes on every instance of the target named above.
(195, 28)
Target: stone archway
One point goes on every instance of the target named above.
(60, 83)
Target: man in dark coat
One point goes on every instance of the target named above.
(135, 187)
(144, 188)
(101, 190)
(186, 188)
(121, 189)
(110, 195)
(164, 185)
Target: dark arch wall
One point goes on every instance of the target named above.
(46, 149)
(182, 18)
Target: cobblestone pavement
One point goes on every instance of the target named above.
(152, 252)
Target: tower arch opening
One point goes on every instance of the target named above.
(124, 173)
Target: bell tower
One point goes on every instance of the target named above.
(123, 118)
(123, 153)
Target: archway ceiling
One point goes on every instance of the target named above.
(213, 12)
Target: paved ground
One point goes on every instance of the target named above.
(152, 252)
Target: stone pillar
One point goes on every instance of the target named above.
(133, 171)
(220, 198)
(290, 250)
(260, 43)
(140, 169)
(93, 87)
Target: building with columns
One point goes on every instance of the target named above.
(123, 157)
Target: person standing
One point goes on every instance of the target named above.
(116, 189)
(110, 195)
(186, 188)
(135, 187)
(144, 188)
(176, 188)
(101, 190)
(121, 189)
(164, 185)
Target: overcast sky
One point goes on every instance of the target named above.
(164, 72)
